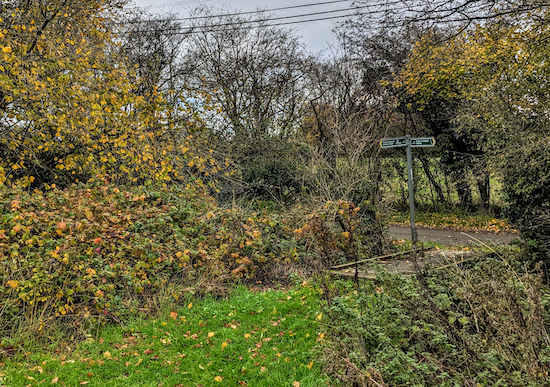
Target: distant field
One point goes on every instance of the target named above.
(395, 187)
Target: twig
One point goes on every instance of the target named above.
(358, 369)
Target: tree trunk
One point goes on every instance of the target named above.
(464, 193)
(437, 187)
(483, 185)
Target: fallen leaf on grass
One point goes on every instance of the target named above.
(218, 379)
(211, 334)
(173, 315)
(295, 384)
(55, 380)
(85, 382)
(263, 369)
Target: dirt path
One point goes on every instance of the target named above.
(450, 238)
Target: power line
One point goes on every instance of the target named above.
(240, 26)
(266, 10)
(246, 23)
(283, 23)
(214, 28)
(170, 4)
(268, 19)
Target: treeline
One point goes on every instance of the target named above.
(97, 89)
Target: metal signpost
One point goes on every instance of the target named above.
(409, 142)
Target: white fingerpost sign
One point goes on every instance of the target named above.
(409, 142)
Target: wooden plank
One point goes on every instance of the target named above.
(370, 275)
(352, 274)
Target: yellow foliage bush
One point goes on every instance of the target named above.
(86, 249)
(68, 111)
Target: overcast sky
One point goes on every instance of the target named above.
(317, 35)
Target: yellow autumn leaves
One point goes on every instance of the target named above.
(12, 284)
(72, 113)
(461, 66)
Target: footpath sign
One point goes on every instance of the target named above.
(393, 142)
(409, 142)
(422, 142)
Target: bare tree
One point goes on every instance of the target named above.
(435, 13)
(346, 114)
(344, 123)
(251, 70)
(252, 73)
(152, 44)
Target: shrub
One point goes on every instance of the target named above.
(274, 178)
(482, 326)
(90, 249)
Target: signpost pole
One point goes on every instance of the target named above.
(411, 189)
(414, 142)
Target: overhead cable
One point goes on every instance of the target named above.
(268, 10)
(247, 23)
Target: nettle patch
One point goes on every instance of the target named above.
(86, 250)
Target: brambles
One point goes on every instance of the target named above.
(480, 325)
(91, 249)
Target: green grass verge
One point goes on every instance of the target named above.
(265, 338)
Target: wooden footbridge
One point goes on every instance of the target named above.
(404, 263)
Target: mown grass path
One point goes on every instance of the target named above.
(263, 338)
